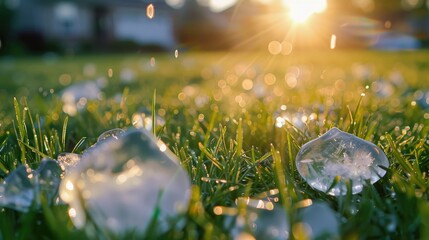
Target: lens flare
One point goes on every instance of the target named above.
(301, 10)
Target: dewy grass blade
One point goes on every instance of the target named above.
(413, 175)
(154, 113)
(280, 177)
(239, 137)
(64, 133)
(78, 144)
(33, 129)
(204, 146)
(215, 162)
(21, 130)
(34, 150)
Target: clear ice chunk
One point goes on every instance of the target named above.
(23, 186)
(68, 160)
(111, 134)
(340, 156)
(48, 176)
(320, 220)
(17, 191)
(122, 184)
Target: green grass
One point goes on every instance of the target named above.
(229, 134)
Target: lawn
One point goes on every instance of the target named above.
(235, 121)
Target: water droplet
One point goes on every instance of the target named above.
(123, 182)
(150, 11)
(176, 53)
(339, 156)
(110, 72)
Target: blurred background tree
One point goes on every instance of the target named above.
(6, 20)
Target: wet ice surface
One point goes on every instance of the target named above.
(122, 183)
(111, 134)
(339, 155)
(68, 160)
(320, 221)
(24, 186)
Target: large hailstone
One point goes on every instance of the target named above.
(24, 186)
(123, 183)
(342, 156)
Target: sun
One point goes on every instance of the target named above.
(301, 10)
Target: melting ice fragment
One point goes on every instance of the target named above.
(320, 220)
(23, 186)
(48, 177)
(17, 191)
(121, 184)
(111, 134)
(343, 156)
(68, 160)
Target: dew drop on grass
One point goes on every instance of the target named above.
(342, 157)
(121, 183)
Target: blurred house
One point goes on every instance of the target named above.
(95, 23)
(124, 25)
